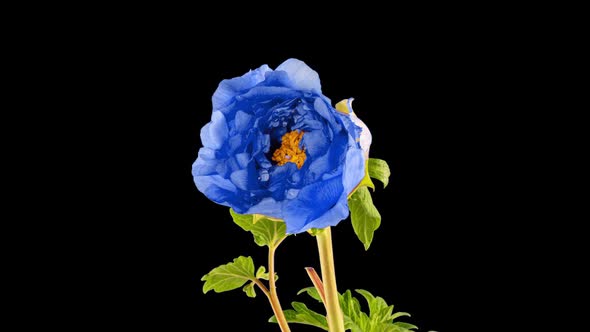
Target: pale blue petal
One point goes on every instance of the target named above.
(216, 188)
(242, 121)
(206, 153)
(320, 106)
(229, 89)
(268, 207)
(272, 91)
(354, 169)
(301, 77)
(204, 166)
(315, 143)
(240, 179)
(215, 132)
(317, 167)
(243, 159)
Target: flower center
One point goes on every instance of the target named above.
(289, 152)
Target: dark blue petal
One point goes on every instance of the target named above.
(331, 217)
(301, 77)
(229, 89)
(214, 133)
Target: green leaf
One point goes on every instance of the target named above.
(229, 276)
(249, 289)
(378, 169)
(303, 315)
(379, 311)
(399, 314)
(267, 232)
(311, 291)
(350, 306)
(364, 215)
(262, 274)
(380, 318)
(405, 326)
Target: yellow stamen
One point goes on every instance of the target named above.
(289, 152)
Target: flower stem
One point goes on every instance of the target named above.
(273, 297)
(333, 311)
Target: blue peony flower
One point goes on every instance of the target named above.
(275, 146)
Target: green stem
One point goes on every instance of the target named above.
(333, 311)
(273, 297)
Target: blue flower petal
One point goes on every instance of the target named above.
(216, 188)
(261, 91)
(301, 77)
(324, 110)
(243, 159)
(331, 217)
(229, 89)
(241, 178)
(268, 207)
(204, 165)
(242, 121)
(354, 169)
(315, 143)
(311, 203)
(214, 133)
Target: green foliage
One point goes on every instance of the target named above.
(229, 276)
(303, 315)
(378, 169)
(233, 275)
(249, 289)
(381, 317)
(311, 291)
(267, 232)
(364, 216)
(366, 181)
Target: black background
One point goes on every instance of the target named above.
(430, 96)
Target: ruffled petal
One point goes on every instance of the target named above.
(242, 121)
(301, 77)
(229, 89)
(315, 143)
(216, 188)
(214, 133)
